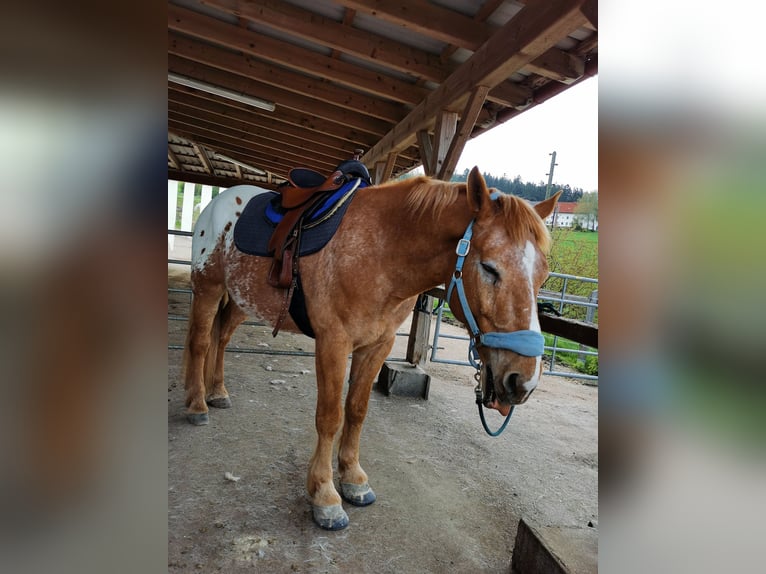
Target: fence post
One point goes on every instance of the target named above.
(172, 208)
(205, 197)
(590, 313)
(188, 207)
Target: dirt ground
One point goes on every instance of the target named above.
(449, 496)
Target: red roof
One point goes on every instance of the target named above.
(566, 206)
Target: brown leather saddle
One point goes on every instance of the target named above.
(304, 190)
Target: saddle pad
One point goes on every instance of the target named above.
(262, 214)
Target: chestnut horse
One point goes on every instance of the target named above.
(397, 240)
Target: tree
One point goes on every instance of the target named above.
(587, 209)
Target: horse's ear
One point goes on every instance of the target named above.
(478, 194)
(545, 208)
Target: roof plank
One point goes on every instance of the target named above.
(428, 19)
(281, 97)
(284, 79)
(292, 56)
(362, 44)
(522, 39)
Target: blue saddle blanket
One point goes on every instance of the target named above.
(263, 212)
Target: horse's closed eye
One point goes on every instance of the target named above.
(490, 270)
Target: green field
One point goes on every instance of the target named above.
(574, 253)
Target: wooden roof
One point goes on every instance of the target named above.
(406, 82)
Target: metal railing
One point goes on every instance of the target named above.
(564, 302)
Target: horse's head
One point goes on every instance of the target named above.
(502, 272)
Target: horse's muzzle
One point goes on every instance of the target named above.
(517, 394)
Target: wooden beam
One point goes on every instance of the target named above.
(317, 29)
(520, 41)
(284, 79)
(558, 65)
(428, 19)
(510, 94)
(174, 159)
(457, 29)
(348, 19)
(446, 125)
(257, 158)
(485, 11)
(330, 146)
(269, 138)
(202, 155)
(221, 181)
(578, 331)
(287, 119)
(283, 98)
(388, 167)
(292, 56)
(467, 121)
(426, 152)
(590, 10)
(292, 156)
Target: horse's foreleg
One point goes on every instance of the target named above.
(204, 312)
(232, 317)
(365, 364)
(331, 370)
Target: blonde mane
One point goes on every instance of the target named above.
(432, 197)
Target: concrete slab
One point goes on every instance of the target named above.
(554, 550)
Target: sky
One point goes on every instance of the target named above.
(566, 124)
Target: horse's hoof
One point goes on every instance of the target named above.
(198, 419)
(220, 402)
(330, 517)
(357, 494)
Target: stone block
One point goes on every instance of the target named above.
(403, 379)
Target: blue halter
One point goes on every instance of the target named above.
(526, 342)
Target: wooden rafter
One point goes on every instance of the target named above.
(283, 79)
(282, 97)
(444, 132)
(287, 120)
(467, 121)
(174, 159)
(520, 41)
(282, 53)
(558, 65)
(426, 151)
(426, 18)
(362, 44)
(201, 154)
(384, 169)
(485, 11)
(291, 156)
(243, 137)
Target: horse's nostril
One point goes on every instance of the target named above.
(511, 383)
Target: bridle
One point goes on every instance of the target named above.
(525, 342)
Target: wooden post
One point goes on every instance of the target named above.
(420, 330)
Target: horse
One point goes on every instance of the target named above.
(396, 241)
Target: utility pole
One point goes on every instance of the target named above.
(548, 188)
(550, 175)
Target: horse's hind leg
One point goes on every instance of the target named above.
(365, 364)
(232, 317)
(204, 313)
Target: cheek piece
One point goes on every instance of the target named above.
(526, 342)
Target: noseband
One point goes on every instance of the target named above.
(526, 342)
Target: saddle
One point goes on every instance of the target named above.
(304, 192)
